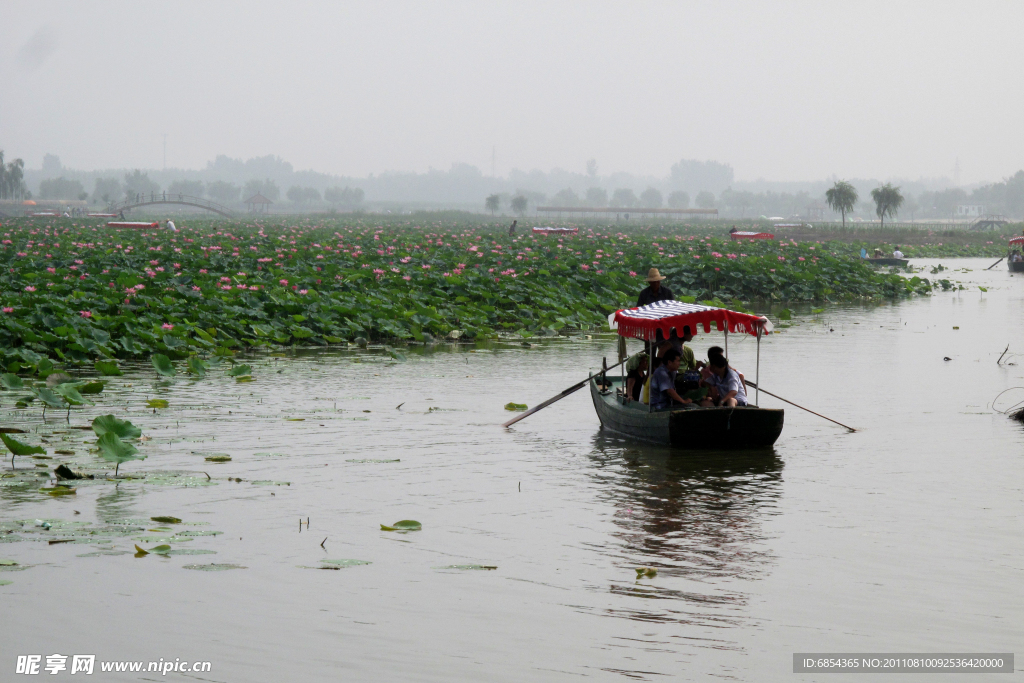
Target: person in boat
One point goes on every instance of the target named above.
(726, 387)
(170, 224)
(655, 291)
(636, 375)
(897, 253)
(705, 368)
(663, 383)
(878, 254)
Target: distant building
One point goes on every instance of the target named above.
(969, 210)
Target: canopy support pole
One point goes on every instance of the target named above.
(650, 372)
(757, 372)
(726, 339)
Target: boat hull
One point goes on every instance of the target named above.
(902, 262)
(740, 428)
(1017, 267)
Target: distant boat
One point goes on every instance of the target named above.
(902, 262)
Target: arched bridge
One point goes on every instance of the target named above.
(168, 198)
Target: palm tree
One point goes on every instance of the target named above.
(842, 197)
(888, 200)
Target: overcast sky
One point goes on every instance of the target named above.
(781, 90)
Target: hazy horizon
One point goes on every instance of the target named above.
(784, 92)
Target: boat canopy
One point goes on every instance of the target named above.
(1017, 240)
(642, 322)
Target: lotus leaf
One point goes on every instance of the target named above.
(163, 366)
(122, 428)
(117, 451)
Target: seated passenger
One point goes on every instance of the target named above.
(636, 376)
(897, 253)
(705, 371)
(663, 383)
(725, 384)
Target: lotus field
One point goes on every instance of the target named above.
(82, 292)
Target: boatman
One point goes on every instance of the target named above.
(897, 253)
(655, 291)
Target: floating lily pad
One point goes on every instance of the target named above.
(244, 378)
(105, 553)
(267, 482)
(469, 566)
(59, 491)
(403, 525)
(190, 551)
(166, 520)
(515, 406)
(157, 403)
(167, 538)
(213, 567)
(345, 563)
(268, 454)
(5, 583)
(372, 460)
(218, 458)
(204, 532)
(240, 371)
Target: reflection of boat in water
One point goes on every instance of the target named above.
(740, 427)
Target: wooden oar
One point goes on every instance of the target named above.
(574, 388)
(754, 384)
(994, 264)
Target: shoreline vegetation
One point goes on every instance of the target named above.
(77, 291)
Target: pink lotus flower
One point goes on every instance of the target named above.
(167, 326)
(30, 288)
(303, 291)
(8, 309)
(85, 314)
(283, 283)
(195, 288)
(51, 270)
(406, 277)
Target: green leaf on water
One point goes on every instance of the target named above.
(197, 367)
(213, 567)
(160, 549)
(468, 566)
(117, 451)
(166, 520)
(71, 394)
(218, 458)
(11, 382)
(817, 310)
(515, 406)
(59, 490)
(785, 314)
(18, 448)
(157, 403)
(190, 551)
(108, 368)
(48, 397)
(239, 370)
(345, 563)
(163, 365)
(4, 582)
(244, 378)
(92, 388)
(403, 525)
(8, 563)
(123, 428)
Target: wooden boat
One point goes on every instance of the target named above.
(1015, 266)
(714, 428)
(901, 262)
(742, 427)
(736, 235)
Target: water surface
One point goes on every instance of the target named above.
(903, 536)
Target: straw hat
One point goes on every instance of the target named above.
(654, 276)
